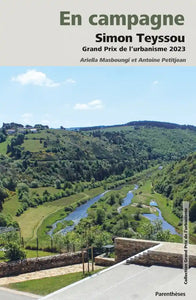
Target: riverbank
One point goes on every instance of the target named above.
(146, 194)
(127, 200)
(76, 215)
(36, 222)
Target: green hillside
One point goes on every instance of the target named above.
(177, 183)
(53, 154)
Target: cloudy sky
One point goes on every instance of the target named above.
(86, 96)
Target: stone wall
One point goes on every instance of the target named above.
(125, 247)
(40, 263)
(104, 261)
(159, 258)
(140, 252)
(162, 259)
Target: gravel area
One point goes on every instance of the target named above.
(46, 273)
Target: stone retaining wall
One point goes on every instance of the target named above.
(159, 258)
(125, 247)
(104, 261)
(40, 263)
(163, 259)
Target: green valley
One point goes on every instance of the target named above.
(47, 173)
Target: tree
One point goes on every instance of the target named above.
(192, 212)
(14, 252)
(3, 220)
(45, 144)
(9, 183)
(111, 199)
(2, 137)
(101, 238)
(22, 189)
(58, 184)
(3, 195)
(100, 216)
(10, 237)
(155, 231)
(34, 184)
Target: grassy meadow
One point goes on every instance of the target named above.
(35, 221)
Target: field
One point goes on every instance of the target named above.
(33, 222)
(29, 254)
(3, 146)
(33, 145)
(12, 203)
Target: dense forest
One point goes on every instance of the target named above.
(177, 183)
(55, 157)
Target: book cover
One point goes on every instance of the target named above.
(97, 149)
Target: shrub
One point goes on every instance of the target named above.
(58, 184)
(3, 221)
(34, 184)
(194, 228)
(3, 195)
(192, 212)
(22, 189)
(137, 216)
(14, 252)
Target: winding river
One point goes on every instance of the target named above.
(127, 200)
(153, 218)
(81, 212)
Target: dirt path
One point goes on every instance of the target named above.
(46, 273)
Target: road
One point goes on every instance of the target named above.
(130, 282)
(6, 294)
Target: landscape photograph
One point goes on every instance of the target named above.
(90, 155)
